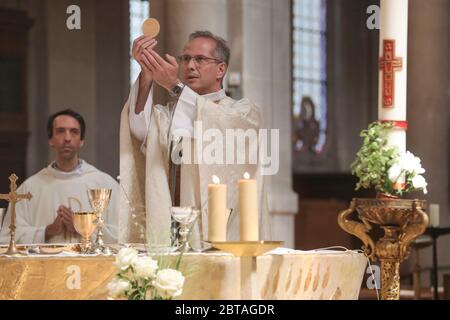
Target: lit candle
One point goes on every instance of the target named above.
(434, 215)
(217, 211)
(248, 209)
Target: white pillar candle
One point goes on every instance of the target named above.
(248, 209)
(393, 67)
(434, 215)
(217, 211)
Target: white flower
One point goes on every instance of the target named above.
(169, 283)
(419, 182)
(117, 287)
(145, 267)
(125, 258)
(411, 163)
(395, 173)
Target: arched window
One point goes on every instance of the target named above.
(309, 75)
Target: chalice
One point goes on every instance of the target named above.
(85, 224)
(99, 200)
(185, 216)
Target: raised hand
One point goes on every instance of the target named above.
(165, 72)
(139, 44)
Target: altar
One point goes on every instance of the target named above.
(280, 274)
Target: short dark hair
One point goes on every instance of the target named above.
(70, 113)
(221, 52)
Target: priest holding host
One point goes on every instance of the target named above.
(164, 148)
(165, 158)
(60, 189)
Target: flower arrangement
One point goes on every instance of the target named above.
(383, 167)
(143, 278)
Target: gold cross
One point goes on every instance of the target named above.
(13, 197)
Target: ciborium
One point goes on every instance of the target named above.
(99, 200)
(402, 222)
(85, 224)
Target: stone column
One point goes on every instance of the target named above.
(428, 104)
(37, 155)
(185, 17)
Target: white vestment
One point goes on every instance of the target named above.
(51, 188)
(145, 154)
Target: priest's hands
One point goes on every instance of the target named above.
(62, 223)
(67, 218)
(139, 45)
(165, 72)
(54, 229)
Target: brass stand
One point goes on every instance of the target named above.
(401, 220)
(13, 197)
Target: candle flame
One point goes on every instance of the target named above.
(216, 179)
(246, 176)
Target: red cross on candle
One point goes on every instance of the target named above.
(388, 65)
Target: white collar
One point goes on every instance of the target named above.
(215, 96)
(77, 171)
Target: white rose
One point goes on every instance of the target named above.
(117, 287)
(125, 258)
(395, 173)
(411, 163)
(145, 267)
(169, 283)
(419, 182)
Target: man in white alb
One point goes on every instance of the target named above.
(154, 137)
(60, 189)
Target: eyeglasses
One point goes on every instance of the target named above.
(199, 60)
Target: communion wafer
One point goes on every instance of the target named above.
(150, 27)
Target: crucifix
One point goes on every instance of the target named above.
(13, 197)
(388, 65)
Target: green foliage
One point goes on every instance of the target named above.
(374, 159)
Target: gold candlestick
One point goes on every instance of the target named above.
(402, 222)
(13, 197)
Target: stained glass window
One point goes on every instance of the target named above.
(309, 75)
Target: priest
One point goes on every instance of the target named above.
(60, 189)
(160, 147)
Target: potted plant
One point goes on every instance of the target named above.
(392, 174)
(384, 168)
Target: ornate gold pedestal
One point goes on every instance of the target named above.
(401, 220)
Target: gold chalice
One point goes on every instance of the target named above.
(99, 200)
(85, 224)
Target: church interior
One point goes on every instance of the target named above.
(312, 66)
